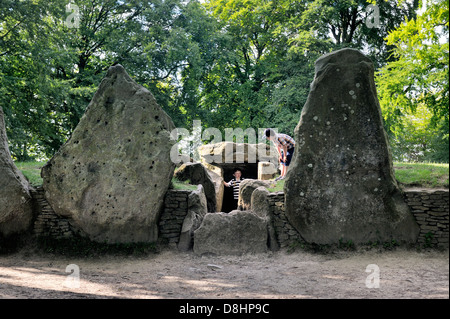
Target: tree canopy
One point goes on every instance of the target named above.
(228, 63)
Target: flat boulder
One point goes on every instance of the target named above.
(229, 152)
(111, 176)
(16, 212)
(236, 233)
(341, 185)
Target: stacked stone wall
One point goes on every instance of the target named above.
(173, 215)
(431, 211)
(286, 234)
(429, 207)
(47, 223)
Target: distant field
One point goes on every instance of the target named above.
(422, 174)
(408, 174)
(429, 175)
(32, 171)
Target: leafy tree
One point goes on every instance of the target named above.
(352, 23)
(26, 95)
(49, 69)
(419, 75)
(228, 63)
(417, 141)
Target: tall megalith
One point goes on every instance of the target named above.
(111, 176)
(341, 185)
(16, 212)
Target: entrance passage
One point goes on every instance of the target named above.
(249, 171)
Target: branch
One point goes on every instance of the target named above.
(170, 71)
(20, 22)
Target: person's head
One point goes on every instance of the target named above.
(270, 134)
(237, 173)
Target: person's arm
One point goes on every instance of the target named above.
(285, 152)
(279, 151)
(229, 184)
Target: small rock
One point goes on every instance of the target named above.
(214, 267)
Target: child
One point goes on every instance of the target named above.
(285, 147)
(235, 182)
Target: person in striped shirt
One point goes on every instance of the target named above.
(285, 147)
(235, 182)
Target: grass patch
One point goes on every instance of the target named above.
(32, 171)
(276, 186)
(422, 174)
(182, 185)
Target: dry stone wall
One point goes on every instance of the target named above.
(173, 215)
(431, 211)
(429, 207)
(286, 234)
(47, 223)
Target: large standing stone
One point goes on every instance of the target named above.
(341, 185)
(15, 200)
(110, 178)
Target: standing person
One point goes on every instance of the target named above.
(235, 182)
(285, 147)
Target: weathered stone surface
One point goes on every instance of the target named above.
(261, 207)
(219, 188)
(110, 178)
(246, 189)
(198, 174)
(197, 209)
(266, 170)
(236, 233)
(341, 184)
(223, 158)
(15, 200)
(229, 152)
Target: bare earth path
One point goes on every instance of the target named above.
(170, 274)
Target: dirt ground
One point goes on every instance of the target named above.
(170, 274)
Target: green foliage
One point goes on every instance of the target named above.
(428, 240)
(419, 77)
(277, 186)
(346, 244)
(229, 63)
(419, 139)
